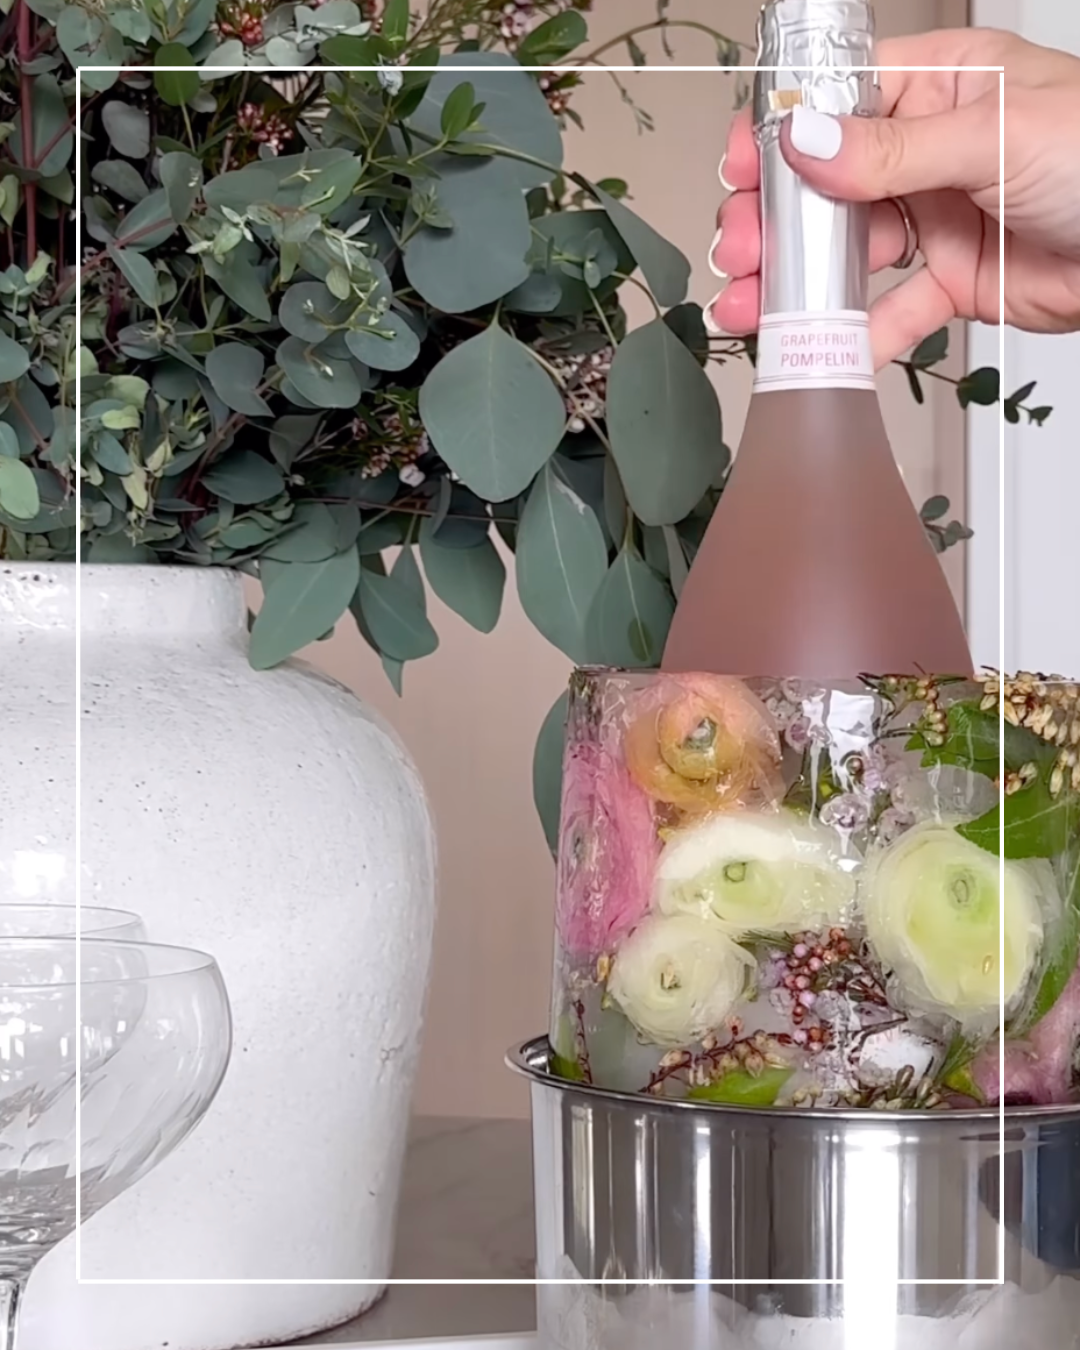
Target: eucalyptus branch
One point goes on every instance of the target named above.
(407, 507)
(634, 281)
(656, 26)
(603, 318)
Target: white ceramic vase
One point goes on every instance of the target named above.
(270, 819)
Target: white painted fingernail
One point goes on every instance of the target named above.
(707, 315)
(712, 249)
(720, 174)
(815, 133)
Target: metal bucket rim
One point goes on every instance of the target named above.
(531, 1060)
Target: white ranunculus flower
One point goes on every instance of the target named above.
(770, 873)
(932, 907)
(678, 978)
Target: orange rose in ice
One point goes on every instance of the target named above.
(703, 743)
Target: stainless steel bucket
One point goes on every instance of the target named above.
(900, 1226)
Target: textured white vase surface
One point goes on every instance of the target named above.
(270, 819)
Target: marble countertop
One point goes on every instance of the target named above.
(466, 1214)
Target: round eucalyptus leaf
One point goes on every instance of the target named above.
(9, 442)
(390, 344)
(51, 137)
(240, 188)
(395, 617)
(380, 531)
(687, 322)
(470, 581)
(631, 615)
(242, 282)
(539, 293)
(461, 518)
(346, 518)
(483, 256)
(493, 414)
(14, 359)
(658, 396)
(173, 380)
(98, 81)
(30, 413)
(181, 178)
(118, 548)
(547, 769)
(120, 177)
(197, 19)
(138, 272)
(661, 263)
(309, 311)
(147, 224)
(290, 391)
(302, 602)
(236, 370)
(325, 381)
(78, 33)
(18, 489)
(312, 536)
(291, 434)
(406, 571)
(111, 455)
(128, 128)
(317, 180)
(561, 561)
(175, 87)
(244, 478)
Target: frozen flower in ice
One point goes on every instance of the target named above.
(704, 742)
(607, 851)
(678, 978)
(846, 813)
(1041, 1068)
(875, 772)
(797, 732)
(765, 873)
(892, 823)
(931, 904)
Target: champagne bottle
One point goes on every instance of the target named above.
(815, 563)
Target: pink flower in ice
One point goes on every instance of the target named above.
(1041, 1068)
(607, 853)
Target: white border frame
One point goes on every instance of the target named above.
(620, 69)
(1035, 494)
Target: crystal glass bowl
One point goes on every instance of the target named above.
(777, 894)
(24, 919)
(139, 1036)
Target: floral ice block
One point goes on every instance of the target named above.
(776, 894)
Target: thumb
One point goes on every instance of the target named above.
(871, 158)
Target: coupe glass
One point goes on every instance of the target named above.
(20, 920)
(153, 1044)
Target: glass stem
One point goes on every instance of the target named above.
(10, 1294)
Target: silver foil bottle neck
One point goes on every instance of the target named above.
(816, 250)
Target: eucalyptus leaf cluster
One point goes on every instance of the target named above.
(356, 333)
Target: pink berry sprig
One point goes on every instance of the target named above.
(266, 127)
(810, 968)
(244, 20)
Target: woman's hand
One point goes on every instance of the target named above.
(939, 146)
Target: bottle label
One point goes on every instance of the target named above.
(826, 350)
